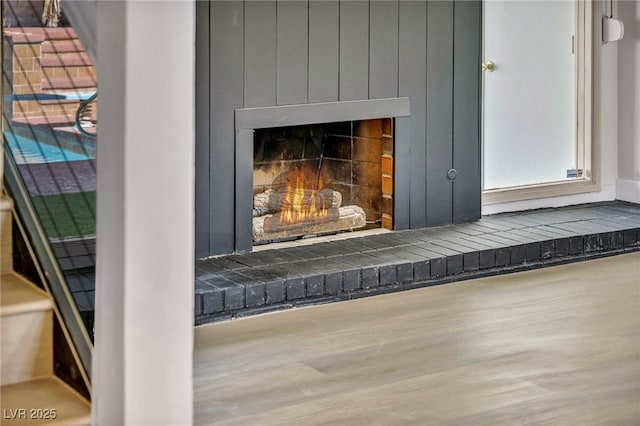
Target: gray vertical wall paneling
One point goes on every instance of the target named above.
(466, 111)
(254, 60)
(202, 131)
(402, 172)
(354, 50)
(383, 56)
(226, 88)
(293, 52)
(411, 135)
(324, 32)
(439, 111)
(259, 53)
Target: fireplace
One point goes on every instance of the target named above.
(330, 164)
(323, 178)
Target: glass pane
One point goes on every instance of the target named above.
(46, 76)
(322, 179)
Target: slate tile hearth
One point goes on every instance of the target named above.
(303, 274)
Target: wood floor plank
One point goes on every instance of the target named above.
(558, 345)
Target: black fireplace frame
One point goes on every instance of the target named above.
(247, 120)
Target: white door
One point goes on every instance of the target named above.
(529, 97)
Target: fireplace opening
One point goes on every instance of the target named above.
(322, 179)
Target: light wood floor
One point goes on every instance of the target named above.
(553, 346)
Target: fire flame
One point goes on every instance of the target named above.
(301, 201)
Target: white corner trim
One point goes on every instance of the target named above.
(628, 190)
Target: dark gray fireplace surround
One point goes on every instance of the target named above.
(249, 119)
(278, 62)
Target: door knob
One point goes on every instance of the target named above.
(488, 66)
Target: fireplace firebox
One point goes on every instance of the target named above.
(322, 179)
(314, 169)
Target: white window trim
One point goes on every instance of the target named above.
(588, 51)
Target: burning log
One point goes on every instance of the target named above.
(271, 226)
(272, 201)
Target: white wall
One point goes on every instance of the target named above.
(143, 357)
(607, 85)
(628, 183)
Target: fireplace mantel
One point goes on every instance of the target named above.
(325, 112)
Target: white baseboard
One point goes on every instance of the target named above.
(628, 190)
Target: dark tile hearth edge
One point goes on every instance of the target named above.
(237, 286)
